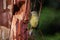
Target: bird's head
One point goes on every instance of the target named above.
(33, 13)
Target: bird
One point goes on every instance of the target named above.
(34, 19)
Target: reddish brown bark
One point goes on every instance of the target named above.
(21, 23)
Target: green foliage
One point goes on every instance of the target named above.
(51, 37)
(47, 16)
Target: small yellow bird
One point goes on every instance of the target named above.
(34, 19)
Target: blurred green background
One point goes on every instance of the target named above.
(49, 23)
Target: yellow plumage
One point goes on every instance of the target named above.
(34, 19)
